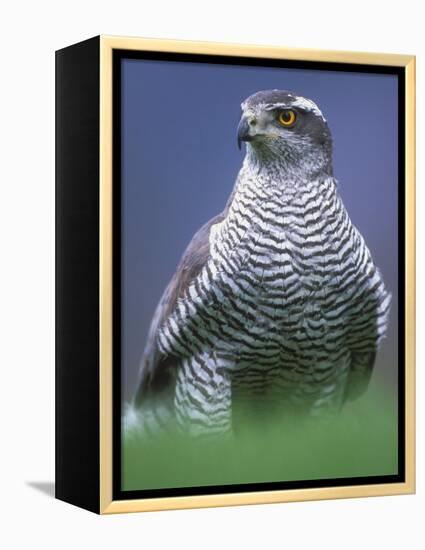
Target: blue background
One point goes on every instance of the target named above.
(180, 161)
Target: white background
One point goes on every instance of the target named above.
(30, 31)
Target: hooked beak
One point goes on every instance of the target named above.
(243, 131)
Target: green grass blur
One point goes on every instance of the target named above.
(361, 441)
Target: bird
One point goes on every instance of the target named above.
(276, 303)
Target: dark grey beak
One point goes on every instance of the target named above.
(243, 131)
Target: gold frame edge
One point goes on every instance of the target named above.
(105, 275)
(106, 503)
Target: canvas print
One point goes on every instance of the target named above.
(259, 275)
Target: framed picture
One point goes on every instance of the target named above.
(235, 274)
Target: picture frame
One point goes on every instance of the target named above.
(90, 159)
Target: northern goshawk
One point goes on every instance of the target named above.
(276, 302)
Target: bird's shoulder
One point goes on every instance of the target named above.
(191, 264)
(155, 366)
(193, 259)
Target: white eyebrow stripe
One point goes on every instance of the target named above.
(297, 101)
(308, 105)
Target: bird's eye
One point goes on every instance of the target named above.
(287, 118)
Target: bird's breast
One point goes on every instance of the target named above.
(276, 264)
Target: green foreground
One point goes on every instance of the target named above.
(362, 441)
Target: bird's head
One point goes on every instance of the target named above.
(285, 130)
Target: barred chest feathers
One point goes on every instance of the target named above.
(279, 258)
(287, 268)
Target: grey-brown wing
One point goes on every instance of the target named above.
(156, 370)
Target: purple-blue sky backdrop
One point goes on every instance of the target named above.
(180, 161)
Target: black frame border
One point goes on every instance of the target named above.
(400, 477)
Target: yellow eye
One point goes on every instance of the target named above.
(287, 118)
